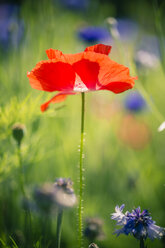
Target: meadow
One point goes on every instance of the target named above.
(124, 156)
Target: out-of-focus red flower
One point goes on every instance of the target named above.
(90, 70)
(104, 108)
(133, 132)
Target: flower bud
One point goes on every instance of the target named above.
(18, 131)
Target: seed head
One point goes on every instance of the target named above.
(63, 193)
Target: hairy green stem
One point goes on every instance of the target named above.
(80, 206)
(59, 227)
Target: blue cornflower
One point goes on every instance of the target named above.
(134, 102)
(11, 26)
(137, 223)
(75, 4)
(93, 34)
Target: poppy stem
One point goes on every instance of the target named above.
(80, 206)
(59, 225)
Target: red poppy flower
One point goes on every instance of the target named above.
(90, 70)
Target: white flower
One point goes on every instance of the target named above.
(161, 127)
(146, 60)
(119, 216)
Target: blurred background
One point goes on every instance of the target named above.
(124, 152)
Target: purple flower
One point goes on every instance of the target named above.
(93, 34)
(137, 223)
(134, 102)
(123, 29)
(11, 27)
(128, 29)
(150, 44)
(75, 4)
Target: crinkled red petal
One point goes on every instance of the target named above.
(99, 48)
(53, 54)
(60, 97)
(52, 75)
(115, 77)
(97, 71)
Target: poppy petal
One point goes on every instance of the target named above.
(98, 71)
(56, 99)
(119, 87)
(52, 75)
(88, 72)
(115, 77)
(99, 48)
(53, 54)
(60, 97)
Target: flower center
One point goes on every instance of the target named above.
(79, 85)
